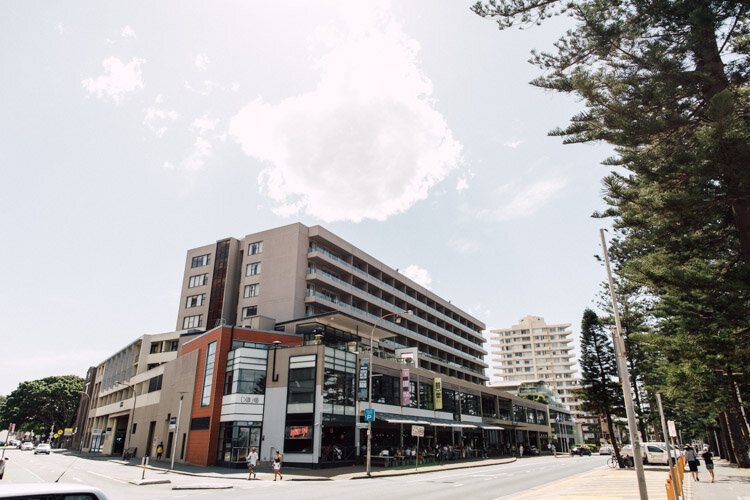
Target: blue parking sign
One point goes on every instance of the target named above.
(369, 415)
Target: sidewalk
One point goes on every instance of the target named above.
(732, 483)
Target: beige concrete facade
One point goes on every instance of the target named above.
(295, 272)
(533, 350)
(128, 389)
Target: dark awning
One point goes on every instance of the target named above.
(441, 422)
(488, 427)
(393, 418)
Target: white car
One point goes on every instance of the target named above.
(652, 452)
(59, 491)
(43, 448)
(27, 446)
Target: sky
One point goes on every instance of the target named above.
(133, 131)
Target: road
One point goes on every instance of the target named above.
(491, 482)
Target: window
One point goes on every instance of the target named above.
(197, 280)
(252, 269)
(255, 248)
(173, 345)
(191, 321)
(426, 396)
(154, 384)
(201, 260)
(251, 381)
(208, 374)
(249, 311)
(195, 300)
(469, 404)
(252, 290)
(155, 348)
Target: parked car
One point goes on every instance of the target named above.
(605, 450)
(58, 491)
(43, 448)
(532, 450)
(27, 446)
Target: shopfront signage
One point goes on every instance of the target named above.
(417, 430)
(364, 373)
(405, 392)
(438, 390)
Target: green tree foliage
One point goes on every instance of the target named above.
(600, 392)
(666, 82)
(37, 405)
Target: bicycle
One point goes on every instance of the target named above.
(612, 462)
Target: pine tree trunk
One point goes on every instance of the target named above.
(615, 446)
(725, 441)
(739, 447)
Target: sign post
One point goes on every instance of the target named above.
(417, 430)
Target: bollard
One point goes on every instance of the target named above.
(670, 491)
(144, 462)
(678, 481)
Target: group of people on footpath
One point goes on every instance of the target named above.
(691, 455)
(252, 463)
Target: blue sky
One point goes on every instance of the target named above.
(133, 131)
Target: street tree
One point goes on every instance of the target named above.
(600, 392)
(39, 405)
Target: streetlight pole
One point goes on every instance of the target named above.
(132, 412)
(369, 383)
(622, 368)
(176, 432)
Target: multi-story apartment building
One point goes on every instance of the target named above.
(534, 350)
(277, 278)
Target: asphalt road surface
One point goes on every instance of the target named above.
(491, 482)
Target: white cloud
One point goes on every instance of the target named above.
(156, 117)
(201, 61)
(60, 28)
(462, 184)
(168, 166)
(366, 143)
(204, 124)
(127, 32)
(202, 150)
(463, 245)
(529, 200)
(512, 144)
(417, 274)
(118, 79)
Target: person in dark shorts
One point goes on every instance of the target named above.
(692, 459)
(708, 459)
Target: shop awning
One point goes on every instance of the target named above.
(441, 422)
(488, 427)
(393, 418)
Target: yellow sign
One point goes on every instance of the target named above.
(438, 390)
(59, 432)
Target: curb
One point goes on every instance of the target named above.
(426, 470)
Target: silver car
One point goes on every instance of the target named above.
(43, 448)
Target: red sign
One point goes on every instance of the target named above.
(299, 432)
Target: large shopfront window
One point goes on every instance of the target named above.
(469, 404)
(426, 396)
(450, 401)
(386, 389)
(338, 382)
(236, 439)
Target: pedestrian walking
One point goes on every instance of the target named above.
(520, 450)
(252, 462)
(692, 459)
(159, 450)
(708, 459)
(277, 466)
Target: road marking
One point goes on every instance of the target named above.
(108, 477)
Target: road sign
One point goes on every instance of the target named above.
(59, 432)
(672, 428)
(361, 425)
(417, 430)
(369, 415)
(172, 423)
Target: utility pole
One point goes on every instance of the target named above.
(622, 369)
(176, 432)
(666, 442)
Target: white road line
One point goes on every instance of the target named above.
(108, 477)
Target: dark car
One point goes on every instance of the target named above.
(580, 450)
(533, 450)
